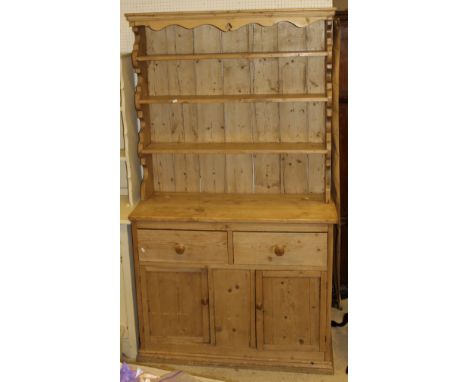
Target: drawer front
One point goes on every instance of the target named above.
(184, 246)
(281, 248)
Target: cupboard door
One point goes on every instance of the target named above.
(175, 305)
(233, 308)
(290, 310)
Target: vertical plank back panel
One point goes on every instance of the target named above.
(211, 125)
(188, 176)
(315, 35)
(266, 115)
(293, 116)
(238, 116)
(316, 175)
(164, 175)
(316, 122)
(315, 70)
(156, 43)
(238, 122)
(186, 167)
(315, 40)
(165, 124)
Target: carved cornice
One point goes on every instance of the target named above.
(230, 20)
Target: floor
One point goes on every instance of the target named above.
(340, 352)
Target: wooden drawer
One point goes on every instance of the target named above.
(186, 246)
(281, 248)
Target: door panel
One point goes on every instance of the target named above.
(175, 302)
(288, 310)
(233, 305)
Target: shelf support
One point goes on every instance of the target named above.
(329, 106)
(147, 184)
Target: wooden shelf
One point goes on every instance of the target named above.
(236, 148)
(212, 85)
(235, 98)
(229, 56)
(205, 207)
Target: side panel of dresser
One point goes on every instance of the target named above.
(130, 178)
(128, 316)
(232, 313)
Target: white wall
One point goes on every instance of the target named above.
(134, 6)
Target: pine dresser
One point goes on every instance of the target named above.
(233, 236)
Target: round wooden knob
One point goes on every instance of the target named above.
(279, 250)
(180, 249)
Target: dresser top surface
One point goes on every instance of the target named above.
(266, 208)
